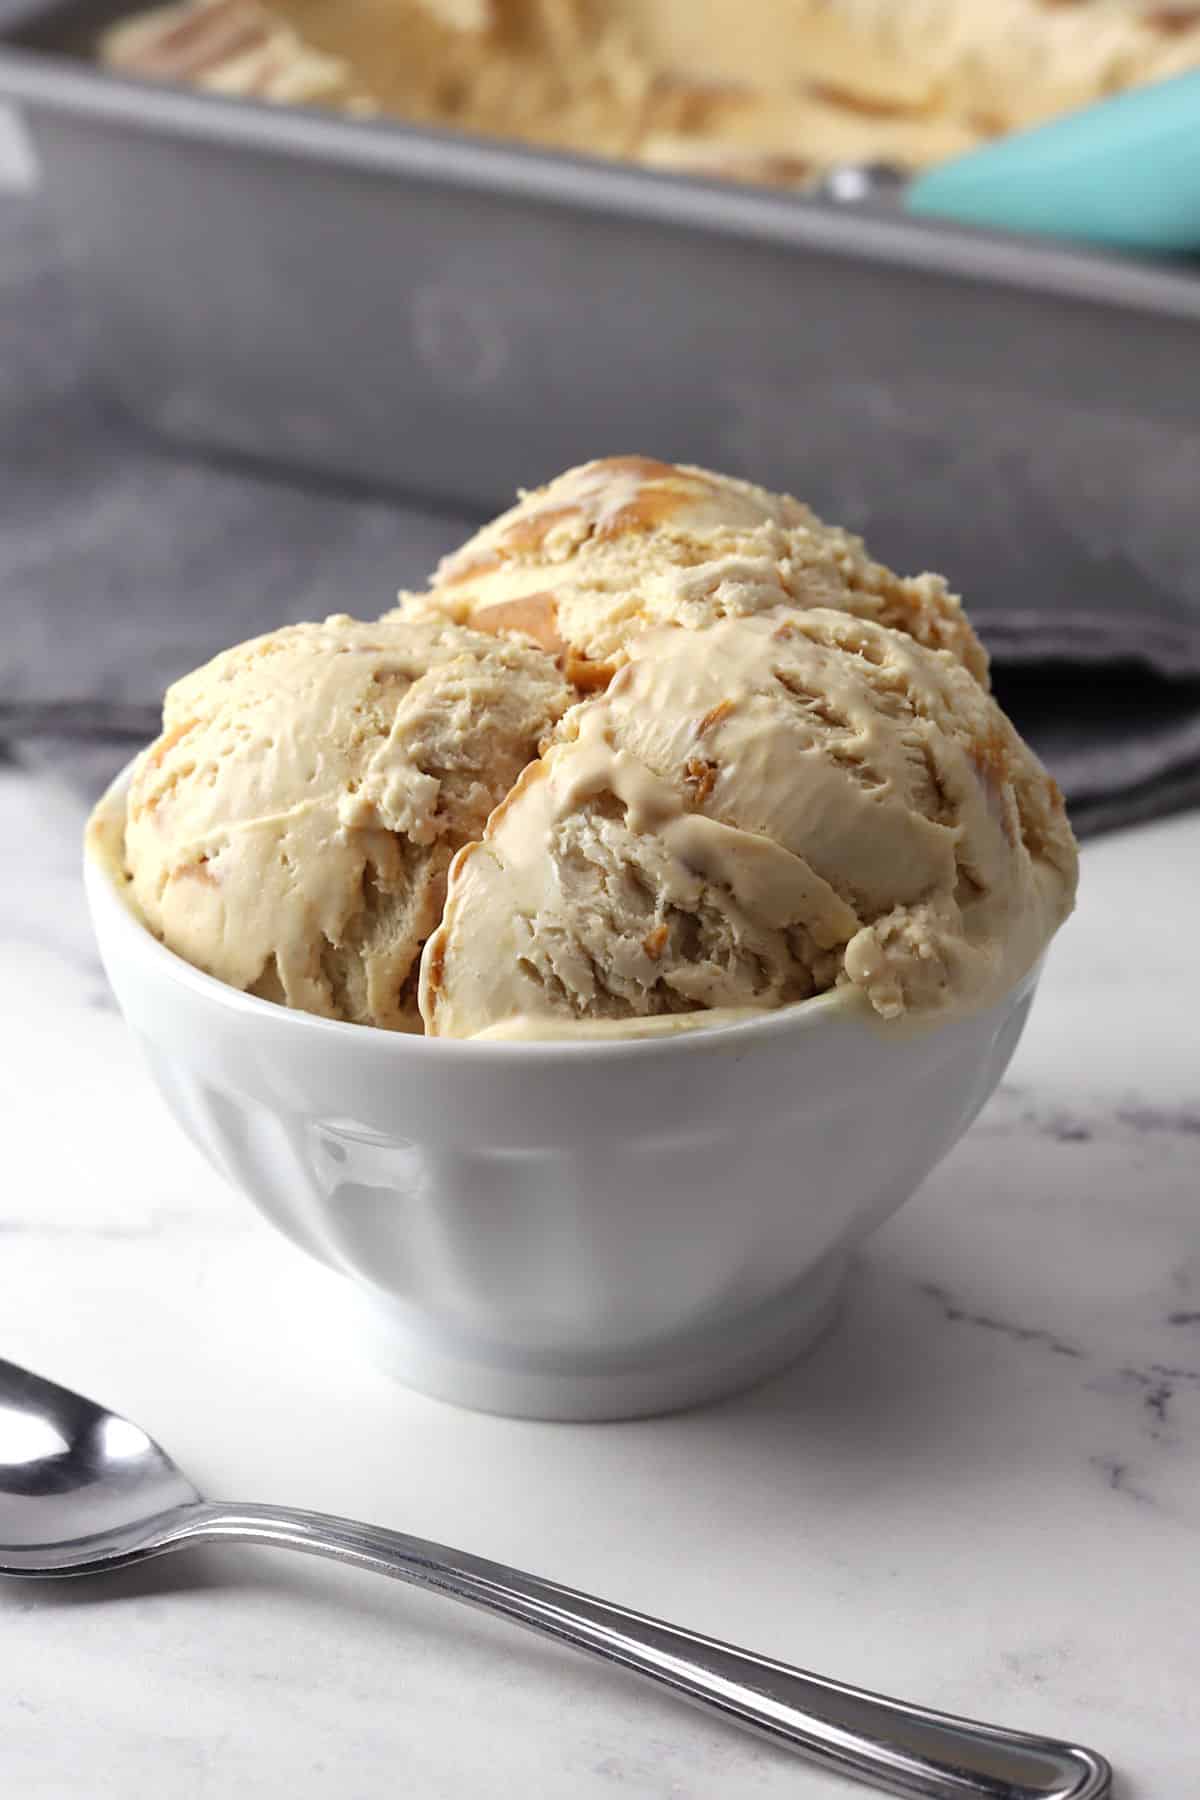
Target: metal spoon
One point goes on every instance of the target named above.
(82, 1489)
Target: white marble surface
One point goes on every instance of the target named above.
(982, 1491)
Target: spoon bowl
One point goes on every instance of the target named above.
(76, 1481)
(83, 1489)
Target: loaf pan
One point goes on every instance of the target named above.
(449, 317)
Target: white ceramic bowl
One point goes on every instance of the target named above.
(563, 1230)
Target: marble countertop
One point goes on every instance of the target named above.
(982, 1491)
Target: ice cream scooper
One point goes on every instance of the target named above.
(1124, 173)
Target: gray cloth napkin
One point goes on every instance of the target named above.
(123, 565)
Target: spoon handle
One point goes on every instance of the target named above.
(905, 1749)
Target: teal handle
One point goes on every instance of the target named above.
(1125, 173)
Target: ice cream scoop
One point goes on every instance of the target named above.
(1124, 172)
(290, 830)
(754, 813)
(617, 546)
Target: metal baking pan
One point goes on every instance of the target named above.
(450, 317)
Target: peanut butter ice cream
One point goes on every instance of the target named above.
(617, 546)
(754, 813)
(656, 748)
(760, 90)
(290, 830)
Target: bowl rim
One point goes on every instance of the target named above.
(844, 1006)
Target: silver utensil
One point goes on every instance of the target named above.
(856, 184)
(82, 1489)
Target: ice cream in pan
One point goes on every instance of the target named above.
(747, 89)
(654, 749)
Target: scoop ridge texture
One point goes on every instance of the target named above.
(753, 814)
(290, 830)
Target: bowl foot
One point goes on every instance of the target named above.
(680, 1373)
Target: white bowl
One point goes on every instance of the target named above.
(585, 1230)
